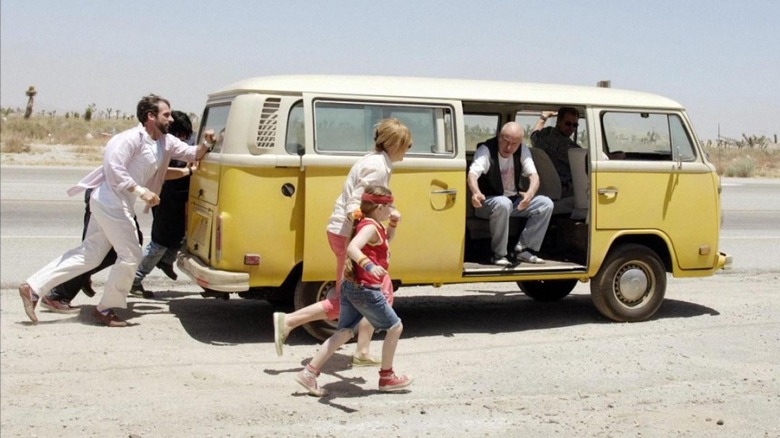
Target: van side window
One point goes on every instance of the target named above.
(295, 129)
(527, 119)
(215, 117)
(646, 136)
(478, 128)
(349, 126)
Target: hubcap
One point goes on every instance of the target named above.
(631, 285)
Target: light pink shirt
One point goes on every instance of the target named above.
(131, 159)
(373, 169)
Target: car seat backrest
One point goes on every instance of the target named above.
(549, 181)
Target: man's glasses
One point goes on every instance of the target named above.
(571, 124)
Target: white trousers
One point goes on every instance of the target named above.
(108, 227)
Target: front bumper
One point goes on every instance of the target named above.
(212, 279)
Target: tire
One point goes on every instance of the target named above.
(547, 291)
(307, 293)
(631, 284)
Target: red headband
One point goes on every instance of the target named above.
(377, 199)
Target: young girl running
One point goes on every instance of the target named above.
(361, 294)
(392, 139)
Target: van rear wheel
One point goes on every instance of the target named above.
(547, 290)
(311, 292)
(631, 284)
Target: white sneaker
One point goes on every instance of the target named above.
(500, 261)
(527, 257)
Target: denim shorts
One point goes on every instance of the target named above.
(360, 301)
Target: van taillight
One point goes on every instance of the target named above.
(218, 238)
(252, 259)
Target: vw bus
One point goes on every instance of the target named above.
(261, 199)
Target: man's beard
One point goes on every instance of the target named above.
(163, 128)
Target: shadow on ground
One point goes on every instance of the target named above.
(239, 321)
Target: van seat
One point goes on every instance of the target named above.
(550, 182)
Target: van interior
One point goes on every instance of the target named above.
(565, 244)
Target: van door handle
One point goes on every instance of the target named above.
(609, 192)
(445, 192)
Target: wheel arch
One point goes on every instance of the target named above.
(656, 241)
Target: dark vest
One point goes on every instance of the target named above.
(490, 183)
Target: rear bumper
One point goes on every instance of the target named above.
(213, 279)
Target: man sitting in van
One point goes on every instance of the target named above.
(556, 141)
(497, 195)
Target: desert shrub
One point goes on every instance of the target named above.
(741, 167)
(14, 144)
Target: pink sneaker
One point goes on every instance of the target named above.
(308, 380)
(390, 381)
(29, 301)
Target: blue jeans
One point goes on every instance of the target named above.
(153, 254)
(360, 301)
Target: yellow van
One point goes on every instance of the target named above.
(260, 201)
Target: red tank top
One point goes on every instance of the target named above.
(378, 254)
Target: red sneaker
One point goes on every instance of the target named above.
(390, 381)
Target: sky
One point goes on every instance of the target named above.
(719, 59)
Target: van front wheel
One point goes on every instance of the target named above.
(312, 292)
(631, 284)
(547, 290)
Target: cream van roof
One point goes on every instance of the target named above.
(459, 89)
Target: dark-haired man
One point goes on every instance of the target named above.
(134, 167)
(169, 220)
(556, 141)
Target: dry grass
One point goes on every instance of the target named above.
(746, 162)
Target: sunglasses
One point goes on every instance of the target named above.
(571, 124)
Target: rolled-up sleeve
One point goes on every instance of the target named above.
(481, 163)
(181, 150)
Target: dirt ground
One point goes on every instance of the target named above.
(487, 361)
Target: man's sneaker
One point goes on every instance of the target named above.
(138, 290)
(308, 380)
(168, 270)
(58, 306)
(87, 288)
(390, 381)
(500, 261)
(29, 301)
(528, 257)
(109, 320)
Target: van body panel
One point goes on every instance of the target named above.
(681, 204)
(433, 196)
(260, 201)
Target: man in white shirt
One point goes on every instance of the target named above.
(134, 166)
(497, 195)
